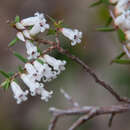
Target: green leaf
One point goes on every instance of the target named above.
(11, 74)
(105, 29)
(52, 19)
(17, 19)
(120, 55)
(13, 42)
(109, 21)
(20, 69)
(121, 35)
(51, 32)
(96, 3)
(119, 61)
(4, 74)
(40, 61)
(6, 84)
(20, 57)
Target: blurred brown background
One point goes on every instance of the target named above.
(97, 50)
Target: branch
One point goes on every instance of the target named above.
(94, 76)
(89, 112)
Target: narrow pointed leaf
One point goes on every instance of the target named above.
(119, 61)
(121, 35)
(105, 29)
(20, 57)
(4, 74)
(96, 3)
(120, 55)
(11, 74)
(13, 42)
(109, 21)
(17, 19)
(6, 84)
(51, 32)
(20, 69)
(40, 61)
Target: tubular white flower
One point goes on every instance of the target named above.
(123, 21)
(19, 26)
(38, 22)
(20, 36)
(56, 64)
(26, 33)
(121, 7)
(35, 87)
(127, 49)
(33, 72)
(113, 1)
(35, 30)
(39, 67)
(45, 95)
(31, 50)
(19, 94)
(73, 35)
(127, 34)
(29, 21)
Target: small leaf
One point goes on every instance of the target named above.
(105, 29)
(4, 74)
(51, 32)
(11, 74)
(120, 55)
(109, 21)
(6, 84)
(119, 61)
(20, 69)
(96, 3)
(121, 35)
(17, 19)
(39, 50)
(40, 61)
(52, 19)
(20, 57)
(13, 42)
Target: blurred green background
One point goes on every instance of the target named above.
(97, 50)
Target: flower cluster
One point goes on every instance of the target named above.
(122, 20)
(39, 67)
(28, 28)
(35, 75)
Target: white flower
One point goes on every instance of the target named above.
(39, 67)
(33, 72)
(123, 21)
(26, 33)
(45, 95)
(121, 7)
(35, 30)
(127, 34)
(38, 22)
(35, 87)
(31, 50)
(114, 1)
(19, 94)
(20, 36)
(73, 35)
(56, 64)
(127, 49)
(48, 74)
(29, 21)
(19, 26)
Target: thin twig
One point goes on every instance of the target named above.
(95, 77)
(88, 112)
(69, 98)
